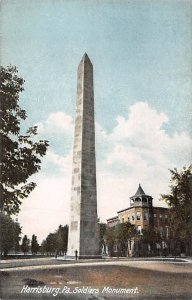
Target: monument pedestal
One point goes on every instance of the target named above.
(84, 257)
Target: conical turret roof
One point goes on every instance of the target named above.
(140, 192)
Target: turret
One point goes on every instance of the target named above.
(141, 199)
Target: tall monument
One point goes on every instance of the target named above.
(83, 227)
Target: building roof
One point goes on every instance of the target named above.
(125, 209)
(140, 192)
(161, 207)
(133, 207)
(113, 218)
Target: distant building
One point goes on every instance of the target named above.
(143, 215)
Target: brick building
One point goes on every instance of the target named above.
(143, 215)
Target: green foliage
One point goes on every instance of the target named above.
(34, 244)
(56, 242)
(9, 234)
(19, 154)
(179, 200)
(151, 237)
(25, 244)
(102, 232)
(119, 235)
(111, 238)
(43, 247)
(125, 232)
(51, 243)
(62, 238)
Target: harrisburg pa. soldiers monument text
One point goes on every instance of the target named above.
(83, 227)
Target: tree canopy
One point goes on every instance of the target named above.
(56, 242)
(179, 199)
(9, 234)
(119, 235)
(19, 154)
(34, 244)
(25, 244)
(125, 232)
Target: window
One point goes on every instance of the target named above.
(129, 245)
(122, 220)
(167, 231)
(138, 215)
(161, 231)
(115, 248)
(133, 217)
(155, 216)
(145, 216)
(139, 229)
(166, 217)
(160, 217)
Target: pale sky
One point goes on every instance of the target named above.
(141, 53)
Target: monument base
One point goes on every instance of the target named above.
(90, 256)
(84, 257)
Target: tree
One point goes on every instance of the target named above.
(17, 236)
(9, 234)
(125, 232)
(34, 244)
(56, 242)
(179, 200)
(110, 239)
(19, 154)
(102, 233)
(25, 244)
(62, 239)
(150, 237)
(43, 247)
(51, 243)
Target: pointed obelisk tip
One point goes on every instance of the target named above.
(85, 58)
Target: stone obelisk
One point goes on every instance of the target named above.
(83, 226)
